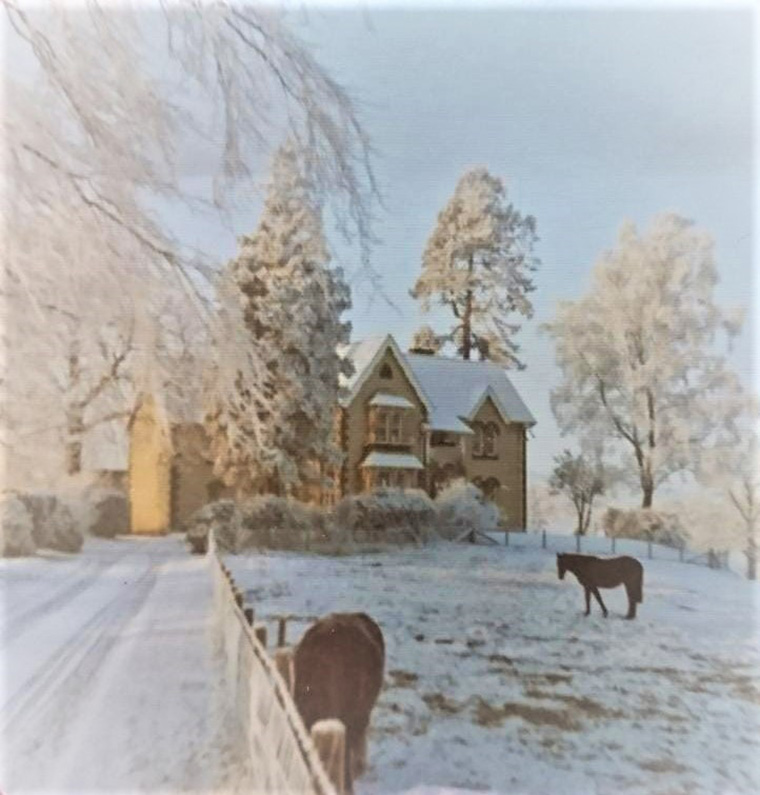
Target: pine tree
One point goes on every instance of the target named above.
(478, 262)
(272, 423)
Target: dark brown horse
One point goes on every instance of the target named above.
(595, 573)
(339, 666)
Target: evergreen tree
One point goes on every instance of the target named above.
(272, 423)
(478, 262)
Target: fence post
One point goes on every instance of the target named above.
(613, 544)
(577, 542)
(282, 628)
(649, 549)
(260, 631)
(543, 539)
(329, 738)
(248, 613)
(283, 661)
(506, 538)
(680, 554)
(238, 597)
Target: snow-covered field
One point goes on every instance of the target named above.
(109, 680)
(496, 681)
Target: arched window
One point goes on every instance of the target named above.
(490, 432)
(386, 372)
(477, 439)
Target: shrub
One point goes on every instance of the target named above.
(389, 516)
(16, 526)
(223, 517)
(109, 513)
(271, 522)
(645, 524)
(53, 524)
(461, 507)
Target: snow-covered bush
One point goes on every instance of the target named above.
(16, 528)
(271, 522)
(223, 518)
(645, 524)
(390, 516)
(109, 513)
(461, 507)
(53, 524)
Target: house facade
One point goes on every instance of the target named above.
(417, 420)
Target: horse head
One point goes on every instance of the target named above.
(561, 566)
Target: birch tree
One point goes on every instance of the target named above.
(642, 353)
(272, 425)
(478, 263)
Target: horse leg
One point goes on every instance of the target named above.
(598, 597)
(588, 599)
(631, 602)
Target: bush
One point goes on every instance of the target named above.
(16, 528)
(461, 507)
(109, 513)
(390, 516)
(271, 522)
(645, 524)
(223, 517)
(53, 524)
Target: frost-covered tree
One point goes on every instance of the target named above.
(581, 480)
(426, 341)
(735, 470)
(640, 357)
(272, 424)
(478, 263)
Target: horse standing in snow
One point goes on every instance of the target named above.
(339, 666)
(595, 573)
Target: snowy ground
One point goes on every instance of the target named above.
(109, 680)
(496, 681)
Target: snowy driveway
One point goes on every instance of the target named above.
(109, 679)
(495, 680)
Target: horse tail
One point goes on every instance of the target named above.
(638, 585)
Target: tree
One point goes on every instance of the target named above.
(272, 425)
(582, 481)
(640, 357)
(735, 470)
(478, 263)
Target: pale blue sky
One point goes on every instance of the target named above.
(591, 116)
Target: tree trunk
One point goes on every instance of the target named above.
(74, 455)
(467, 317)
(647, 488)
(751, 554)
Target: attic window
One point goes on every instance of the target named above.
(386, 372)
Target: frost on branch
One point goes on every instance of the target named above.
(478, 263)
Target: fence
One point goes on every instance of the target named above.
(604, 545)
(282, 754)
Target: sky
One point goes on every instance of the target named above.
(591, 116)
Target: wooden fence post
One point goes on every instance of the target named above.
(649, 549)
(282, 628)
(238, 597)
(248, 613)
(680, 554)
(613, 544)
(543, 539)
(260, 631)
(506, 538)
(329, 738)
(577, 542)
(283, 661)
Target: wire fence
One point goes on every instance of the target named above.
(604, 545)
(282, 754)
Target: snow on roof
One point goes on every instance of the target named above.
(392, 401)
(457, 388)
(378, 460)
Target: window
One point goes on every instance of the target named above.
(388, 426)
(386, 372)
(390, 478)
(484, 440)
(442, 439)
(477, 439)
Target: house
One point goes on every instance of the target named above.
(404, 420)
(418, 420)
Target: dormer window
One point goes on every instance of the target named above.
(388, 424)
(386, 372)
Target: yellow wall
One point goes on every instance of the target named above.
(150, 458)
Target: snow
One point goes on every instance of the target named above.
(110, 678)
(392, 401)
(392, 460)
(495, 680)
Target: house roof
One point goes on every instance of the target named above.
(452, 389)
(380, 460)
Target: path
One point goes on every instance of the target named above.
(109, 680)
